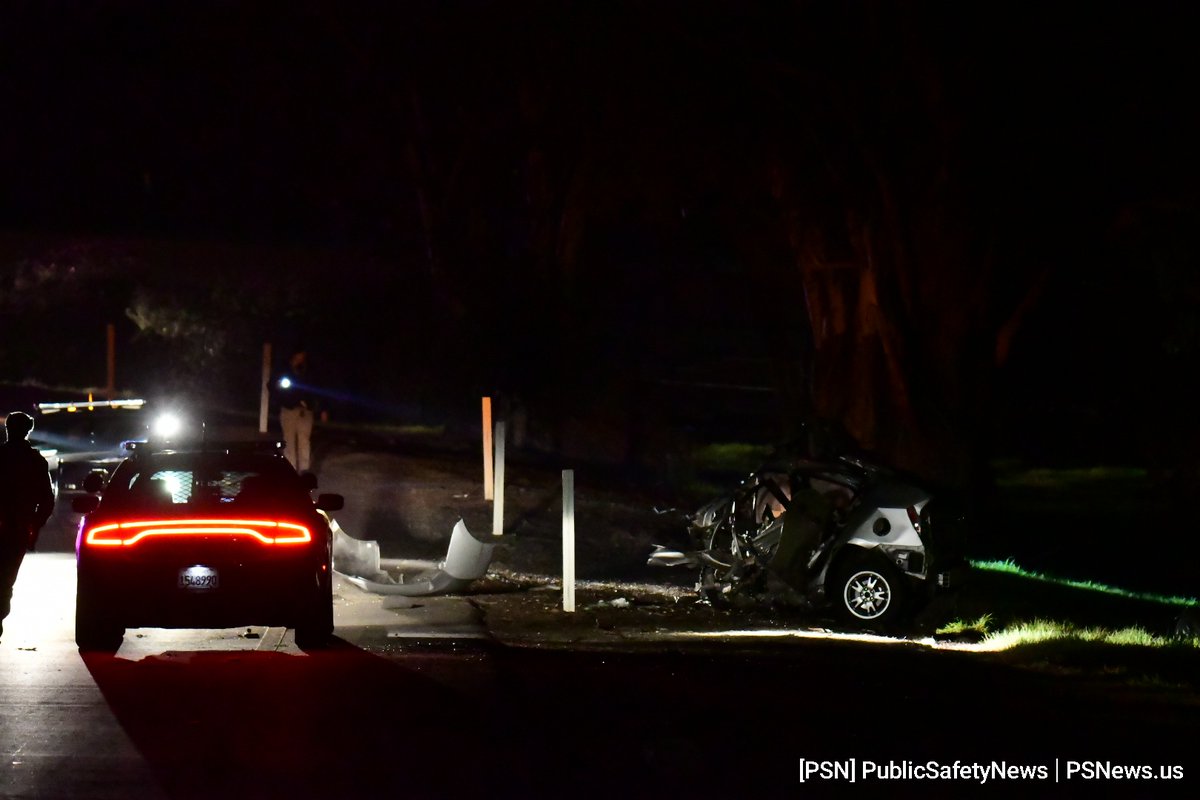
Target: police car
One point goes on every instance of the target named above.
(87, 435)
(212, 535)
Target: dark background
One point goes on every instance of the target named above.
(602, 214)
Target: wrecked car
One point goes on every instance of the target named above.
(842, 533)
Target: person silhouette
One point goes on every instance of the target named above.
(26, 502)
(297, 411)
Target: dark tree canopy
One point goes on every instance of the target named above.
(647, 220)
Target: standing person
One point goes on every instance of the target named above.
(297, 408)
(26, 502)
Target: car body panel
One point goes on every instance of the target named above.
(860, 531)
(142, 588)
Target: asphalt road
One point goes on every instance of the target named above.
(417, 701)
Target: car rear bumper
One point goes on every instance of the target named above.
(148, 594)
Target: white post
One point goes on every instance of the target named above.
(110, 387)
(498, 507)
(265, 390)
(488, 490)
(568, 478)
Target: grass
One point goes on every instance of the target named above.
(391, 429)
(1008, 567)
(1077, 627)
(1042, 630)
(1067, 478)
(738, 458)
(1131, 656)
(714, 469)
(1095, 492)
(961, 628)
(1085, 521)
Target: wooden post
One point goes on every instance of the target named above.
(568, 479)
(488, 488)
(110, 388)
(264, 398)
(498, 507)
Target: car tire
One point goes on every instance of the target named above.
(94, 631)
(869, 593)
(717, 585)
(711, 585)
(316, 631)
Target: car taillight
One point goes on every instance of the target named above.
(915, 518)
(123, 534)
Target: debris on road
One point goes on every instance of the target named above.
(467, 559)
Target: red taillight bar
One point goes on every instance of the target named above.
(123, 534)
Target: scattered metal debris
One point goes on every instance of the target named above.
(467, 559)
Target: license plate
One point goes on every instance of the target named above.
(198, 579)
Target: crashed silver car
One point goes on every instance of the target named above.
(842, 534)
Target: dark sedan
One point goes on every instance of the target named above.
(221, 536)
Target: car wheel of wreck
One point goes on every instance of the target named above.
(714, 584)
(869, 593)
(732, 577)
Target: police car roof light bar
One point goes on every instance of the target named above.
(90, 405)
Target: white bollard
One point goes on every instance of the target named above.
(568, 478)
(487, 449)
(110, 388)
(498, 507)
(264, 395)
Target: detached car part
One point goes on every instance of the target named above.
(467, 558)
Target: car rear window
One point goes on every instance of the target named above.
(178, 482)
(182, 485)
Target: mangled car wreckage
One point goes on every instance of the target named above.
(840, 533)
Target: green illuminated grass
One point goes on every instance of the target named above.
(960, 627)
(1041, 630)
(1132, 656)
(1076, 627)
(1010, 568)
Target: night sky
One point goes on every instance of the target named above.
(394, 183)
(286, 121)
